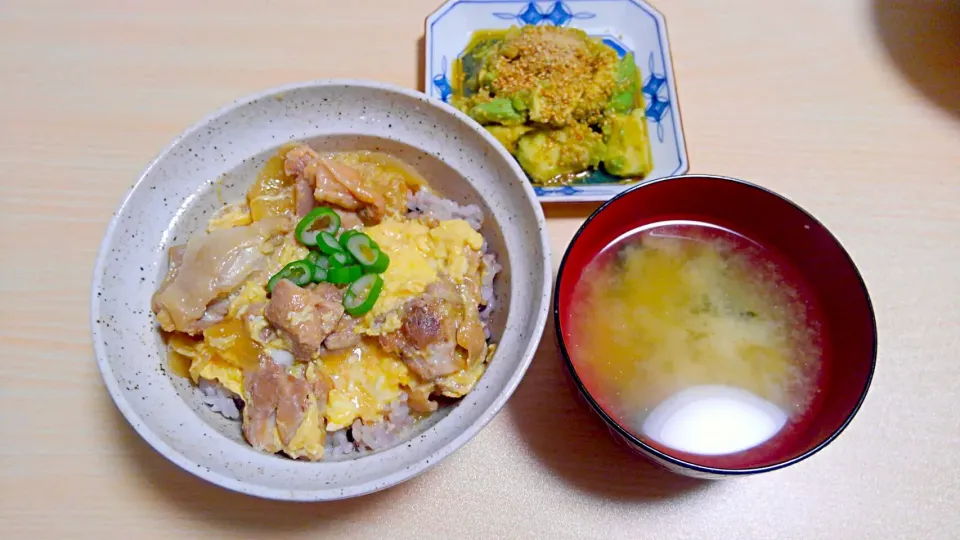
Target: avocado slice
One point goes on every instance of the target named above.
(627, 145)
(546, 111)
(521, 101)
(497, 111)
(472, 67)
(509, 135)
(549, 153)
(624, 99)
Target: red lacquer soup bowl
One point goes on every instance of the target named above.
(846, 325)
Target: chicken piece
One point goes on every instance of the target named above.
(215, 313)
(426, 340)
(303, 198)
(418, 398)
(320, 386)
(305, 165)
(328, 189)
(464, 299)
(297, 160)
(305, 316)
(175, 257)
(292, 403)
(349, 219)
(284, 412)
(375, 206)
(471, 337)
(444, 289)
(424, 324)
(343, 337)
(301, 163)
(441, 332)
(262, 334)
(262, 388)
(208, 267)
(331, 182)
(470, 334)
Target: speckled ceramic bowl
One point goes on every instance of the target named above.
(177, 192)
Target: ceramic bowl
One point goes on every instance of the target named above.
(848, 326)
(216, 160)
(625, 25)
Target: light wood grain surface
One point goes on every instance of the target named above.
(852, 109)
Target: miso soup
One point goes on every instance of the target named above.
(696, 339)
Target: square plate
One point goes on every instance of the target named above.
(624, 25)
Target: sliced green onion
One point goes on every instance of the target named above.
(362, 294)
(341, 259)
(320, 263)
(319, 274)
(361, 247)
(328, 244)
(299, 272)
(344, 274)
(346, 235)
(379, 266)
(318, 259)
(318, 221)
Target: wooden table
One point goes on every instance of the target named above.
(852, 109)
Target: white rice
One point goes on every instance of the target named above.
(425, 203)
(362, 437)
(489, 268)
(281, 357)
(219, 398)
(338, 444)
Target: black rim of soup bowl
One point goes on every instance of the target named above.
(646, 448)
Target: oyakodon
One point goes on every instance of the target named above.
(332, 307)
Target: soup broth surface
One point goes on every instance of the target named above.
(696, 339)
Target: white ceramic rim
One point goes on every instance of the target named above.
(319, 494)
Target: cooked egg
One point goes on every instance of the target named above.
(448, 239)
(310, 437)
(229, 375)
(231, 215)
(251, 298)
(231, 342)
(250, 293)
(365, 381)
(462, 382)
(222, 355)
(205, 363)
(282, 252)
(418, 255)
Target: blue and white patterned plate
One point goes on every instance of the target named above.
(625, 25)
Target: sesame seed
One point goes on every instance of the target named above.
(571, 75)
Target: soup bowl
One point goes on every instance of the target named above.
(848, 335)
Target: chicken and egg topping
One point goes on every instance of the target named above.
(561, 102)
(341, 297)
